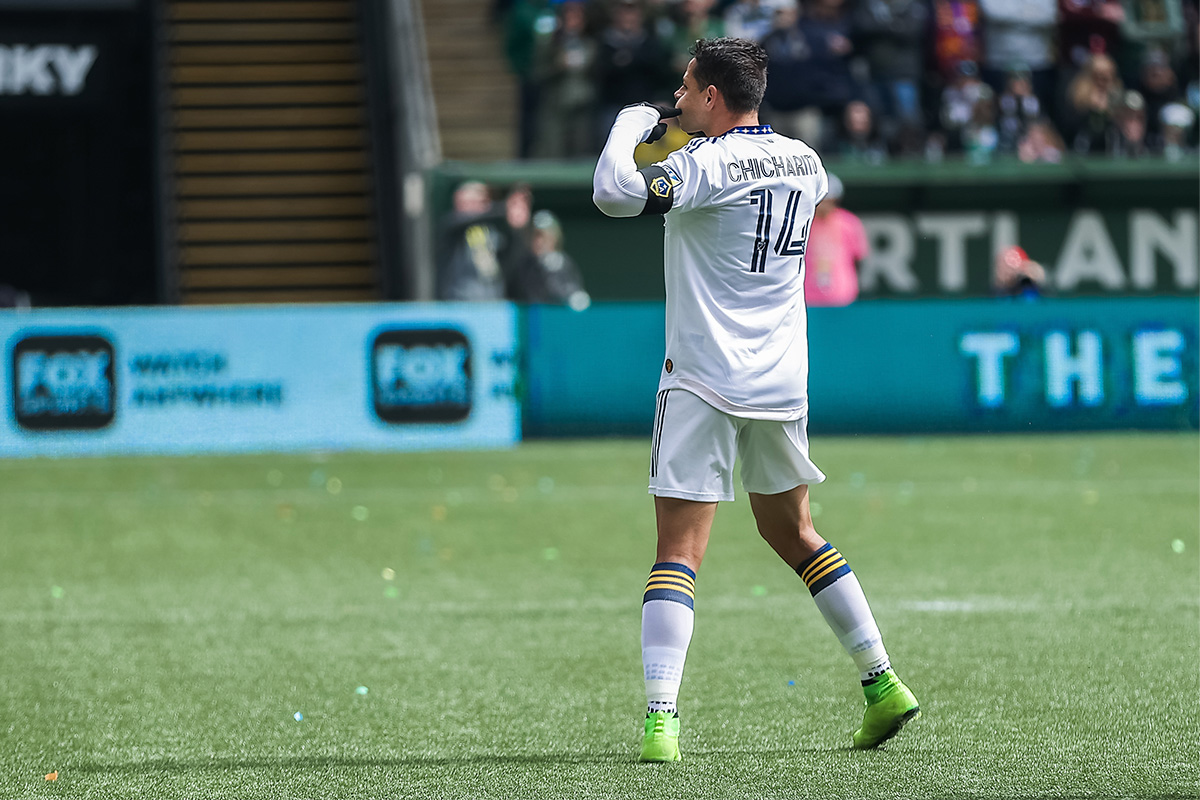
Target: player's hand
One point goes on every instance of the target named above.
(659, 128)
(664, 113)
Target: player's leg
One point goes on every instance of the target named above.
(774, 455)
(668, 618)
(683, 530)
(689, 438)
(668, 603)
(785, 522)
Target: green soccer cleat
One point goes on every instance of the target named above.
(661, 742)
(890, 705)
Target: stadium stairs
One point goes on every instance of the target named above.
(473, 88)
(269, 152)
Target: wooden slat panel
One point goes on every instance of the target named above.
(458, 44)
(296, 230)
(245, 277)
(273, 207)
(193, 186)
(261, 32)
(270, 143)
(222, 255)
(441, 12)
(465, 117)
(246, 10)
(334, 94)
(308, 139)
(327, 161)
(194, 297)
(470, 143)
(263, 53)
(265, 73)
(300, 116)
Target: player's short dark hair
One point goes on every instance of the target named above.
(737, 67)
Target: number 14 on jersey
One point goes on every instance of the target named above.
(785, 244)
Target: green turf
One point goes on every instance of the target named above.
(161, 620)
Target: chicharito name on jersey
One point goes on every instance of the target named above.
(757, 169)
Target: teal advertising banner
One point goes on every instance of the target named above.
(889, 367)
(176, 380)
(429, 376)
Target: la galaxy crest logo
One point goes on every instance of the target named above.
(665, 183)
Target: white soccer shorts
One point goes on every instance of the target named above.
(695, 446)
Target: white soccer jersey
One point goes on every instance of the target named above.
(737, 332)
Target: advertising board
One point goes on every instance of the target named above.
(278, 378)
(901, 367)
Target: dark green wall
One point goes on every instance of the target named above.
(621, 259)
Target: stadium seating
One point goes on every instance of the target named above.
(473, 86)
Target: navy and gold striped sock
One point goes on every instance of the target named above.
(839, 597)
(671, 581)
(667, 621)
(822, 568)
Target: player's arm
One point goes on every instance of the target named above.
(619, 189)
(822, 186)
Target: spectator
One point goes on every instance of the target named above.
(825, 26)
(631, 64)
(1127, 139)
(661, 16)
(915, 109)
(1015, 274)
(958, 104)
(837, 242)
(859, 140)
(567, 67)
(980, 137)
(1177, 122)
(1159, 87)
(524, 23)
(890, 35)
(1020, 34)
(954, 40)
(546, 274)
(1016, 108)
(955, 36)
(1041, 143)
(696, 22)
(789, 103)
(1086, 27)
(1091, 100)
(479, 242)
(750, 19)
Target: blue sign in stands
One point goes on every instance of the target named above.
(259, 378)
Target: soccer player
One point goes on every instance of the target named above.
(737, 201)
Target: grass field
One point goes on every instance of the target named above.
(162, 620)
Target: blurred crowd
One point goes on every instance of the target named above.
(496, 248)
(873, 80)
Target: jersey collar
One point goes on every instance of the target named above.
(753, 130)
